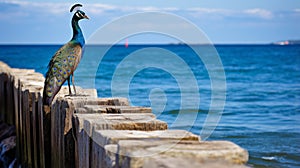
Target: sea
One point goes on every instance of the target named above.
(261, 110)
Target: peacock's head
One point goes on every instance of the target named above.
(78, 14)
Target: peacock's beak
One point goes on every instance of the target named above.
(86, 17)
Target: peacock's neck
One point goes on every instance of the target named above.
(77, 33)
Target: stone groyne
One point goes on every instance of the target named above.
(87, 131)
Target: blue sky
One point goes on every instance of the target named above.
(231, 21)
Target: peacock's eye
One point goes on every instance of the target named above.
(79, 14)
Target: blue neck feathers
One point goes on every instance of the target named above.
(77, 33)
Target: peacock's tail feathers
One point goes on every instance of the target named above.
(61, 66)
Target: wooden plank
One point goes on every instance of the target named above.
(27, 127)
(9, 101)
(3, 81)
(47, 139)
(53, 136)
(96, 155)
(23, 131)
(12, 109)
(21, 125)
(57, 125)
(68, 153)
(34, 130)
(75, 132)
(81, 145)
(17, 119)
(115, 109)
(58, 116)
(128, 121)
(40, 132)
(83, 149)
(81, 101)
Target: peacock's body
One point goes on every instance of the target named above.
(65, 61)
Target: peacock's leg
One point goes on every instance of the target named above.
(70, 93)
(73, 84)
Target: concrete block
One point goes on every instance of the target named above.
(143, 122)
(132, 153)
(104, 141)
(86, 124)
(175, 162)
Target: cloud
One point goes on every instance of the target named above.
(17, 8)
(297, 10)
(262, 13)
(59, 8)
(100, 8)
(226, 13)
(27, 8)
(209, 14)
(209, 10)
(23, 9)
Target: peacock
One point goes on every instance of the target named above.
(65, 61)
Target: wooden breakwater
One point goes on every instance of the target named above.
(86, 131)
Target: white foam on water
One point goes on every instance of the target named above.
(269, 157)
